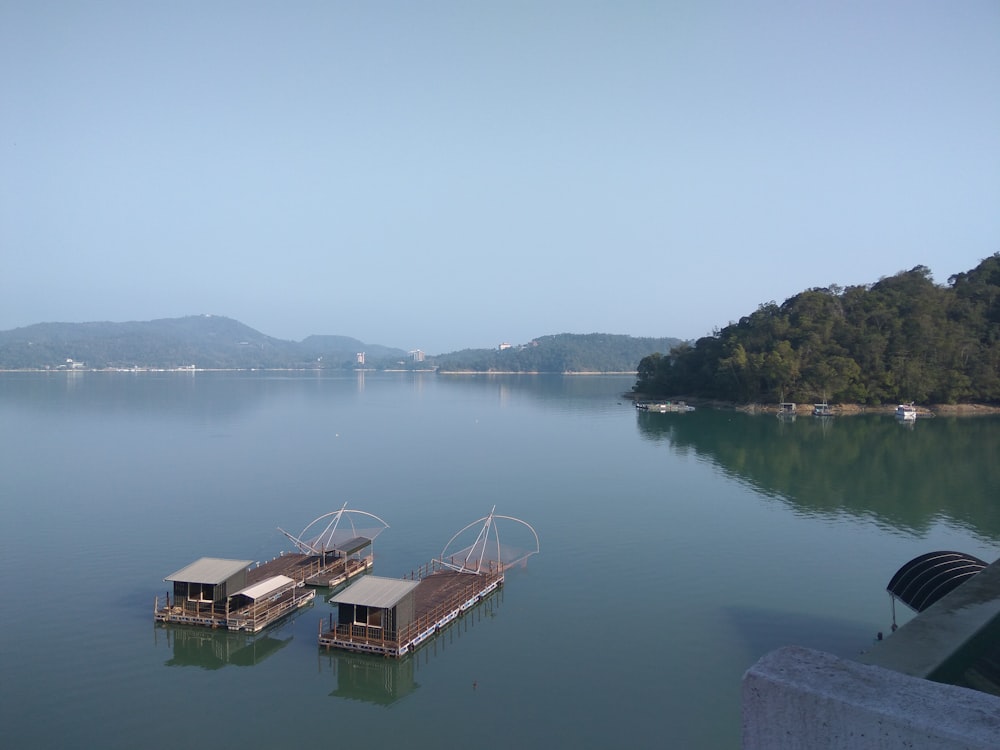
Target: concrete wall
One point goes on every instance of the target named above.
(800, 698)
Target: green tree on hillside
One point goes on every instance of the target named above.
(903, 338)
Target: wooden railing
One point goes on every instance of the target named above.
(428, 619)
(191, 611)
(260, 614)
(254, 616)
(395, 640)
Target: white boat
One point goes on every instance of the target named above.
(906, 412)
(822, 410)
(665, 406)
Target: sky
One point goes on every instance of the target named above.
(450, 175)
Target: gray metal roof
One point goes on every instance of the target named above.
(266, 587)
(212, 570)
(353, 545)
(373, 591)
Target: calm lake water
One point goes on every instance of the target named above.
(676, 549)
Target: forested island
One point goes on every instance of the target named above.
(901, 339)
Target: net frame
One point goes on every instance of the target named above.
(486, 552)
(333, 534)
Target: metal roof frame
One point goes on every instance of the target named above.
(928, 577)
(325, 540)
(477, 556)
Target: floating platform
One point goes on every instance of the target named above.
(242, 596)
(392, 617)
(270, 590)
(332, 548)
(201, 598)
(324, 570)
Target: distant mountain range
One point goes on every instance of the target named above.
(216, 342)
(205, 341)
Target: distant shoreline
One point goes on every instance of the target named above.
(533, 372)
(191, 369)
(843, 410)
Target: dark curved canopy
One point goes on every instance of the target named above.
(925, 579)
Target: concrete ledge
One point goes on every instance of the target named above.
(800, 698)
(925, 643)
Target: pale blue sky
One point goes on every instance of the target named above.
(443, 175)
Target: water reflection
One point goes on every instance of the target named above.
(865, 465)
(383, 681)
(371, 679)
(214, 649)
(207, 395)
(178, 395)
(763, 630)
(579, 392)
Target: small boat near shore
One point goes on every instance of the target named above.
(822, 410)
(906, 412)
(663, 406)
(787, 411)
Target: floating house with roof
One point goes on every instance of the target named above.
(394, 616)
(206, 583)
(213, 592)
(236, 595)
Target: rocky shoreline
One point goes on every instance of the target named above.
(950, 410)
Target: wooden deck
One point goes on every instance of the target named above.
(442, 596)
(305, 570)
(310, 570)
(252, 618)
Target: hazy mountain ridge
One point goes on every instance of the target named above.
(205, 341)
(320, 344)
(218, 342)
(564, 352)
